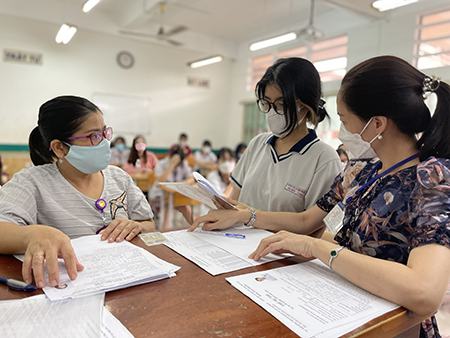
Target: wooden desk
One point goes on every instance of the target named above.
(144, 180)
(196, 304)
(179, 199)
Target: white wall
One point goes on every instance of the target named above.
(393, 35)
(88, 65)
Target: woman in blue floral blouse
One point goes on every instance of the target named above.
(390, 214)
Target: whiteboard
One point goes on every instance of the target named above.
(127, 115)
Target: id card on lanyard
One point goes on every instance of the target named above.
(334, 220)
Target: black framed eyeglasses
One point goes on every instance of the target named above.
(265, 105)
(96, 137)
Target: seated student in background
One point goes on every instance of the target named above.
(140, 159)
(173, 168)
(240, 148)
(393, 238)
(221, 178)
(70, 192)
(183, 143)
(119, 152)
(288, 169)
(205, 159)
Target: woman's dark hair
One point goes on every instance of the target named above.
(207, 143)
(134, 156)
(297, 79)
(341, 151)
(238, 149)
(58, 119)
(118, 139)
(389, 86)
(177, 149)
(224, 151)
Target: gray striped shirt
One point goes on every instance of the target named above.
(41, 195)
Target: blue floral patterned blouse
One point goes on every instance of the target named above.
(398, 213)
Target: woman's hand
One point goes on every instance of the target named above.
(44, 246)
(221, 219)
(123, 229)
(285, 242)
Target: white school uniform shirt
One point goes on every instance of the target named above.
(216, 180)
(290, 182)
(41, 195)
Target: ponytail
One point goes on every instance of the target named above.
(321, 111)
(40, 152)
(59, 119)
(435, 140)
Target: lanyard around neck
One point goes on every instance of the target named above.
(365, 186)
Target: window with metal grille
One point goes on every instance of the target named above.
(432, 40)
(328, 56)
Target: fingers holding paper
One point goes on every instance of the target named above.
(284, 242)
(121, 229)
(43, 249)
(216, 220)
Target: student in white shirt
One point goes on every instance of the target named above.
(221, 178)
(288, 169)
(69, 192)
(205, 159)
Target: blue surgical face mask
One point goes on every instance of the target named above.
(121, 147)
(90, 159)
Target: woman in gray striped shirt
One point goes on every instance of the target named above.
(69, 192)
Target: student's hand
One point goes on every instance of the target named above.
(120, 229)
(221, 205)
(220, 219)
(285, 242)
(44, 246)
(175, 160)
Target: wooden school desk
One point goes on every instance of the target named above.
(196, 304)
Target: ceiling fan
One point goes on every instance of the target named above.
(162, 34)
(310, 32)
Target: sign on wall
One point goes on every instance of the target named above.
(197, 82)
(17, 56)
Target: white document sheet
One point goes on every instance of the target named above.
(112, 327)
(107, 267)
(217, 253)
(191, 191)
(311, 300)
(37, 317)
(203, 192)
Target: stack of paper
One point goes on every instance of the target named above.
(107, 267)
(38, 317)
(219, 252)
(311, 300)
(112, 327)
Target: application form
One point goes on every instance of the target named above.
(217, 253)
(311, 300)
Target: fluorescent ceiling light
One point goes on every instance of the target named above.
(89, 4)
(331, 64)
(386, 5)
(65, 33)
(205, 62)
(273, 41)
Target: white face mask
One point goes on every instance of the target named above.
(277, 123)
(226, 167)
(206, 149)
(355, 145)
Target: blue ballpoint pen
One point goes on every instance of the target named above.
(240, 236)
(17, 285)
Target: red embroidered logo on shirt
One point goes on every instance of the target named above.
(294, 190)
